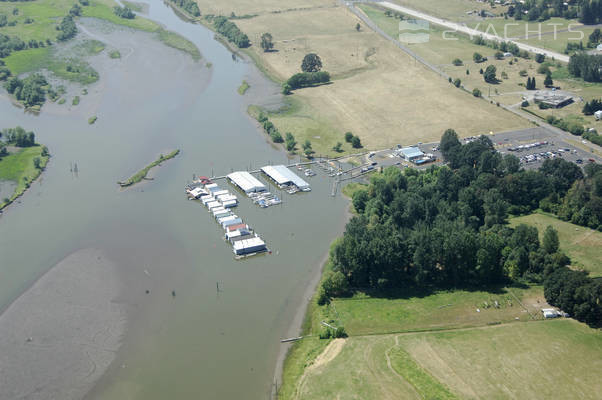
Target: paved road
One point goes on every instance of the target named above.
(472, 32)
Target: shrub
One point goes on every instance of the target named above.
(476, 92)
(457, 62)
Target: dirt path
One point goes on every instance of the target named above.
(328, 354)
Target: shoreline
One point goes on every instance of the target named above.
(61, 334)
(16, 196)
(296, 326)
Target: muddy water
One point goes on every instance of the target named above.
(199, 344)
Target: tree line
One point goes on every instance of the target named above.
(190, 6)
(447, 226)
(18, 137)
(229, 30)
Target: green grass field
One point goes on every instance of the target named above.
(18, 167)
(534, 360)
(48, 14)
(581, 244)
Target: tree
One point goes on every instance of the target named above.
(358, 27)
(449, 145)
(338, 147)
(478, 58)
(286, 89)
(356, 143)
(499, 55)
(457, 62)
(548, 82)
(550, 240)
(36, 162)
(457, 82)
(307, 150)
(266, 42)
(290, 142)
(476, 92)
(539, 58)
(311, 63)
(489, 74)
(348, 137)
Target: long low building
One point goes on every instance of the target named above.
(285, 177)
(246, 182)
(248, 246)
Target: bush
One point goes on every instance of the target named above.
(476, 92)
(340, 332)
(124, 12)
(457, 82)
(525, 103)
(356, 143)
(306, 79)
(457, 62)
(348, 137)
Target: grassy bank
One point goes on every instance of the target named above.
(140, 175)
(581, 244)
(244, 86)
(19, 167)
(47, 16)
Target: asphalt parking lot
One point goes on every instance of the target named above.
(532, 147)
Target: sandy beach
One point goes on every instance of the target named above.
(59, 336)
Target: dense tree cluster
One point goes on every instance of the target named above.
(306, 79)
(489, 74)
(8, 44)
(31, 91)
(582, 204)
(67, 29)
(575, 293)
(19, 137)
(446, 226)
(124, 12)
(586, 66)
(190, 6)
(231, 32)
(591, 107)
(590, 12)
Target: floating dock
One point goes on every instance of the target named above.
(219, 202)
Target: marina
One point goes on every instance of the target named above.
(219, 203)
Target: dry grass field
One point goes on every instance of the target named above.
(378, 92)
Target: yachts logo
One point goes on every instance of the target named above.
(414, 31)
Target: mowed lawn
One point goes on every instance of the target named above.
(581, 244)
(441, 310)
(536, 360)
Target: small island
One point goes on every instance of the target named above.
(22, 160)
(140, 175)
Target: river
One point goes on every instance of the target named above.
(200, 343)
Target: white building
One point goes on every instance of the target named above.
(410, 153)
(246, 182)
(285, 177)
